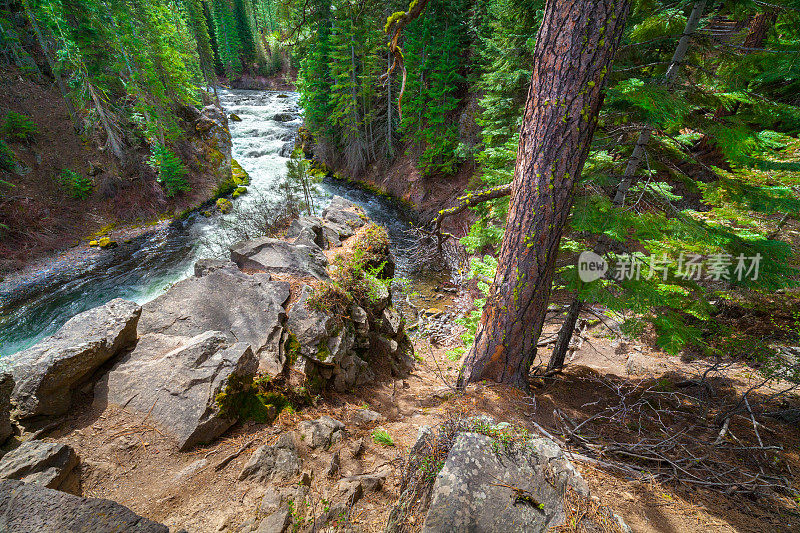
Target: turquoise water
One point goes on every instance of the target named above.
(35, 306)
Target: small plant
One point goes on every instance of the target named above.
(7, 160)
(170, 169)
(18, 127)
(77, 185)
(382, 437)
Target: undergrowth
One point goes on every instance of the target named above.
(383, 438)
(356, 275)
(170, 169)
(260, 400)
(77, 185)
(18, 127)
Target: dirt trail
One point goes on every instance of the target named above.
(126, 459)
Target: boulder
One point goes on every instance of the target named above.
(48, 464)
(175, 381)
(342, 213)
(247, 308)
(335, 465)
(287, 149)
(46, 374)
(307, 230)
(368, 482)
(204, 267)
(271, 501)
(470, 492)
(30, 508)
(277, 522)
(365, 417)
(321, 337)
(391, 323)
(321, 433)
(277, 461)
(6, 388)
(276, 256)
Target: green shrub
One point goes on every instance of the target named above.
(170, 169)
(18, 127)
(6, 156)
(77, 185)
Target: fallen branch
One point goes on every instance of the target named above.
(470, 199)
(222, 464)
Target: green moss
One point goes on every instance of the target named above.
(292, 349)
(238, 174)
(224, 205)
(242, 399)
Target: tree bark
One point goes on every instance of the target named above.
(669, 79)
(574, 49)
(565, 335)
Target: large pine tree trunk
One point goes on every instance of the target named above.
(574, 49)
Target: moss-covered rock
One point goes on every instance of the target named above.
(224, 205)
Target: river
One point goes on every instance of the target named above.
(36, 305)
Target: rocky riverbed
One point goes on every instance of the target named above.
(135, 402)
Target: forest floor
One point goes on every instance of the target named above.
(126, 459)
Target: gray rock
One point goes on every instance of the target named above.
(321, 433)
(246, 308)
(343, 212)
(206, 266)
(176, 381)
(369, 482)
(48, 464)
(365, 417)
(271, 501)
(277, 522)
(392, 323)
(286, 150)
(307, 230)
(6, 388)
(283, 117)
(275, 256)
(279, 460)
(188, 471)
(320, 338)
(335, 465)
(46, 374)
(467, 497)
(29, 508)
(358, 448)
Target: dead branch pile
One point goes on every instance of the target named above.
(695, 432)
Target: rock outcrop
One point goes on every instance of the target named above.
(48, 464)
(279, 460)
(175, 381)
(222, 298)
(46, 374)
(516, 484)
(275, 256)
(29, 508)
(321, 433)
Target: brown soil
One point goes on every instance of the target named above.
(41, 218)
(126, 459)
